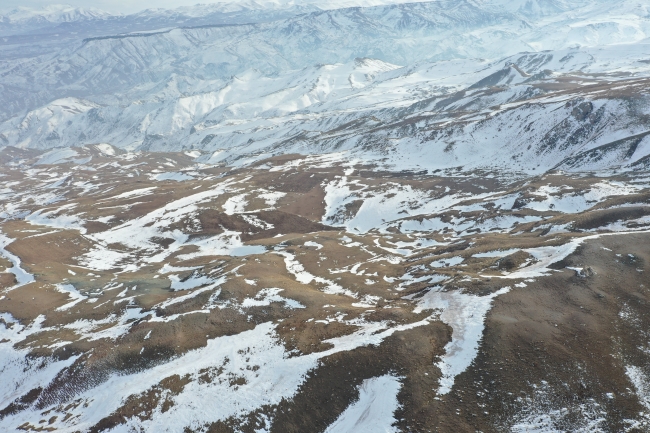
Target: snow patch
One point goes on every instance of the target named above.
(267, 296)
(466, 315)
(373, 412)
(22, 276)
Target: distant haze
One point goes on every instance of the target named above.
(130, 6)
(115, 6)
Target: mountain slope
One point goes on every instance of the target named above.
(375, 110)
(287, 217)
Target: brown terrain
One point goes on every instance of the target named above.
(358, 272)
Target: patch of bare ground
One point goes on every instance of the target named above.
(215, 222)
(308, 205)
(143, 406)
(564, 332)
(333, 386)
(59, 247)
(26, 303)
(7, 280)
(557, 342)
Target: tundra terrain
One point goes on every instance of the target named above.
(343, 216)
(148, 291)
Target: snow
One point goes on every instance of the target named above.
(545, 412)
(106, 149)
(465, 314)
(236, 204)
(310, 83)
(193, 281)
(20, 373)
(60, 221)
(295, 268)
(255, 221)
(271, 198)
(408, 248)
(496, 253)
(641, 383)
(22, 276)
(137, 234)
(266, 296)
(313, 244)
(175, 176)
(275, 377)
(381, 207)
(191, 295)
(227, 243)
(73, 293)
(135, 193)
(56, 156)
(373, 412)
(369, 334)
(578, 202)
(55, 13)
(545, 256)
(167, 268)
(442, 263)
(245, 93)
(120, 325)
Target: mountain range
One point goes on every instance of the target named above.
(321, 80)
(348, 216)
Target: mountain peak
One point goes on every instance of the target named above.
(58, 13)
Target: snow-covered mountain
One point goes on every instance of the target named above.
(54, 14)
(402, 34)
(326, 216)
(25, 20)
(287, 84)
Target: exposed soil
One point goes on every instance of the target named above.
(555, 347)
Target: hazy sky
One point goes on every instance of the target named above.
(123, 6)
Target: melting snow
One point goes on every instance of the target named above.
(373, 412)
(56, 156)
(256, 356)
(21, 373)
(267, 296)
(22, 276)
(193, 281)
(497, 253)
(313, 244)
(294, 267)
(73, 293)
(176, 176)
(236, 204)
(443, 263)
(465, 314)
